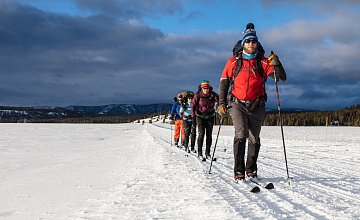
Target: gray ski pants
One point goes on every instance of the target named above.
(247, 126)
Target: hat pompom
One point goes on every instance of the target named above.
(250, 26)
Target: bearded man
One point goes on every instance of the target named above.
(242, 94)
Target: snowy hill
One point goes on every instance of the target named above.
(131, 171)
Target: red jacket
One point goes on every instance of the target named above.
(248, 84)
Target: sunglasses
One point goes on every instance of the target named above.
(252, 41)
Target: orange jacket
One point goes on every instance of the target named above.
(248, 84)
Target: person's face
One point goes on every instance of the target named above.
(205, 90)
(250, 46)
(189, 99)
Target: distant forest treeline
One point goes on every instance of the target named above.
(346, 117)
(85, 120)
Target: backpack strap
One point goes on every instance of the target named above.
(258, 65)
(238, 68)
(261, 72)
(236, 72)
(239, 65)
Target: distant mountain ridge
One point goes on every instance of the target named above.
(14, 113)
(124, 113)
(120, 109)
(74, 111)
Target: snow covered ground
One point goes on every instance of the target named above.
(130, 171)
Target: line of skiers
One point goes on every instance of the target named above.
(242, 94)
(195, 111)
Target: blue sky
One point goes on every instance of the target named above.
(95, 52)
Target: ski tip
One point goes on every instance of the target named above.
(256, 189)
(269, 186)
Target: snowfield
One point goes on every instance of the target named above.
(131, 171)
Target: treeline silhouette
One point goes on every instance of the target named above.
(346, 117)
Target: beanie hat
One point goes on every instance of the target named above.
(205, 84)
(249, 33)
(189, 94)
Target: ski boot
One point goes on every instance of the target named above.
(239, 176)
(251, 174)
(201, 157)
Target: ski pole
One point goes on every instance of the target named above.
(222, 135)
(281, 123)
(217, 137)
(171, 134)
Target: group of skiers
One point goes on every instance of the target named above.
(191, 111)
(242, 94)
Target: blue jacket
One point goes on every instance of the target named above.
(176, 110)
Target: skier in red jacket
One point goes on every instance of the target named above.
(242, 93)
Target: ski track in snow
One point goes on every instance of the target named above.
(336, 189)
(131, 171)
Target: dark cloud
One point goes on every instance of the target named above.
(321, 57)
(130, 8)
(57, 59)
(112, 56)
